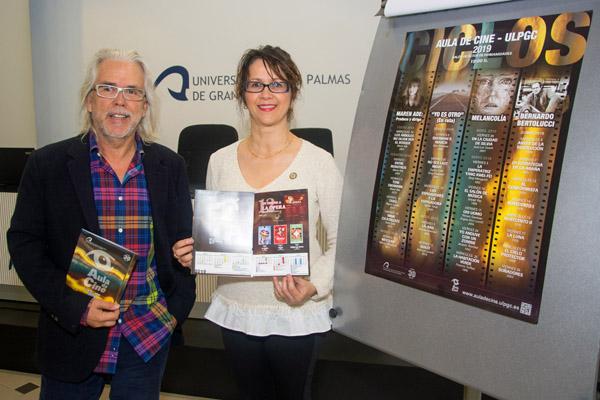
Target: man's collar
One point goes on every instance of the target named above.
(139, 144)
(93, 141)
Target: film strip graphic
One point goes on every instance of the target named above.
(479, 173)
(526, 181)
(431, 204)
(404, 140)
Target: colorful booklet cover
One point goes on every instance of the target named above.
(100, 268)
(251, 234)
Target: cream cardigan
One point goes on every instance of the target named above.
(249, 305)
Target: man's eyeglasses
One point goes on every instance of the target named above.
(274, 87)
(111, 92)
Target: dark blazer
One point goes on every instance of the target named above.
(55, 201)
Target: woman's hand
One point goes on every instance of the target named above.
(293, 290)
(182, 251)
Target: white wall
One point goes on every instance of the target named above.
(58, 67)
(17, 117)
(207, 38)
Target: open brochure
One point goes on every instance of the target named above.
(251, 234)
(99, 267)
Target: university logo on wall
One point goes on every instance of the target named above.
(220, 87)
(181, 94)
(197, 87)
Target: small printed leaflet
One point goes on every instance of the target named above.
(251, 234)
(100, 268)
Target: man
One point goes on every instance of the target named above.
(536, 100)
(111, 180)
(539, 100)
(494, 92)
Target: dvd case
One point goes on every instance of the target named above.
(99, 267)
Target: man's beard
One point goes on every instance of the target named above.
(133, 126)
(118, 135)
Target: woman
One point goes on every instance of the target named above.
(271, 326)
(411, 98)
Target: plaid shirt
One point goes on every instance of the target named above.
(125, 217)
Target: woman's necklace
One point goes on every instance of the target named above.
(272, 154)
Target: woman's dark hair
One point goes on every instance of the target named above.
(278, 62)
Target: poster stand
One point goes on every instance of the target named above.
(553, 356)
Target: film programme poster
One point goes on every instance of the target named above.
(470, 159)
(251, 234)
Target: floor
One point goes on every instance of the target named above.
(22, 386)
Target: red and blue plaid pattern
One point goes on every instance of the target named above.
(125, 217)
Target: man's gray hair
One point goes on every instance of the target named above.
(149, 123)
